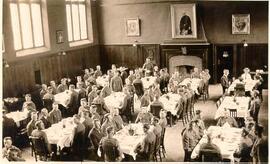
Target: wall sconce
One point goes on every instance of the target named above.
(5, 63)
(184, 50)
(225, 54)
(63, 53)
(245, 43)
(135, 43)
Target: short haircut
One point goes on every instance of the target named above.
(28, 95)
(7, 138)
(109, 129)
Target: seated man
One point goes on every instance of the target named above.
(209, 152)
(117, 119)
(190, 140)
(39, 133)
(54, 87)
(199, 123)
(116, 83)
(63, 86)
(107, 122)
(28, 102)
(95, 134)
(144, 116)
(157, 130)
(8, 151)
(225, 82)
(84, 107)
(92, 95)
(98, 71)
(72, 103)
(9, 126)
(146, 148)
(44, 117)
(126, 106)
(78, 134)
(48, 99)
(243, 152)
(156, 106)
(55, 115)
(93, 111)
(31, 125)
(100, 103)
(246, 75)
(109, 147)
(227, 119)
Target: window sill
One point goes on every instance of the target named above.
(31, 51)
(79, 43)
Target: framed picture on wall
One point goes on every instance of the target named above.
(133, 27)
(183, 19)
(59, 36)
(240, 23)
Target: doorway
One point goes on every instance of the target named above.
(224, 60)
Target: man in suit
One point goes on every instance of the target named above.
(225, 82)
(72, 103)
(146, 148)
(9, 148)
(63, 86)
(259, 150)
(116, 82)
(95, 134)
(226, 118)
(31, 125)
(28, 104)
(44, 117)
(78, 134)
(92, 95)
(55, 115)
(98, 71)
(9, 126)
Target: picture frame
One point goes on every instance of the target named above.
(241, 24)
(59, 36)
(133, 27)
(183, 20)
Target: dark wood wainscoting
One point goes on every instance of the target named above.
(20, 77)
(128, 55)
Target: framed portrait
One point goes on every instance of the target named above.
(184, 23)
(133, 27)
(240, 23)
(59, 37)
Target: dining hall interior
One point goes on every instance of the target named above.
(135, 81)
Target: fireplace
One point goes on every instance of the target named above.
(184, 64)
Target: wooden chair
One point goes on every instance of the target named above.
(162, 146)
(157, 153)
(155, 109)
(233, 113)
(39, 148)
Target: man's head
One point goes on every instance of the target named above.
(44, 112)
(50, 89)
(76, 119)
(44, 86)
(93, 109)
(64, 81)
(259, 130)
(110, 131)
(86, 114)
(146, 127)
(86, 71)
(98, 67)
(79, 78)
(131, 72)
(154, 120)
(71, 87)
(34, 116)
(94, 88)
(39, 125)
(83, 102)
(246, 70)
(147, 60)
(27, 97)
(52, 83)
(113, 67)
(97, 123)
(196, 69)
(162, 113)
(7, 142)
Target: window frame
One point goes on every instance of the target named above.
(44, 28)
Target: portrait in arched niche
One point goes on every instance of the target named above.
(183, 18)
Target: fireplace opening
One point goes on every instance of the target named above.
(184, 69)
(184, 64)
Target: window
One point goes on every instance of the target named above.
(76, 20)
(27, 24)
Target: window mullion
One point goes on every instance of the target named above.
(79, 19)
(31, 18)
(42, 27)
(72, 31)
(19, 15)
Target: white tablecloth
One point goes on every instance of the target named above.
(63, 97)
(102, 80)
(249, 85)
(226, 138)
(170, 102)
(128, 143)
(148, 81)
(18, 116)
(60, 136)
(114, 100)
(196, 83)
(241, 105)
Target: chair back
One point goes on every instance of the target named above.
(155, 109)
(138, 89)
(233, 112)
(162, 136)
(47, 103)
(210, 156)
(39, 146)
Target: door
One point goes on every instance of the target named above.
(224, 60)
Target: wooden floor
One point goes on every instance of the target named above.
(173, 140)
